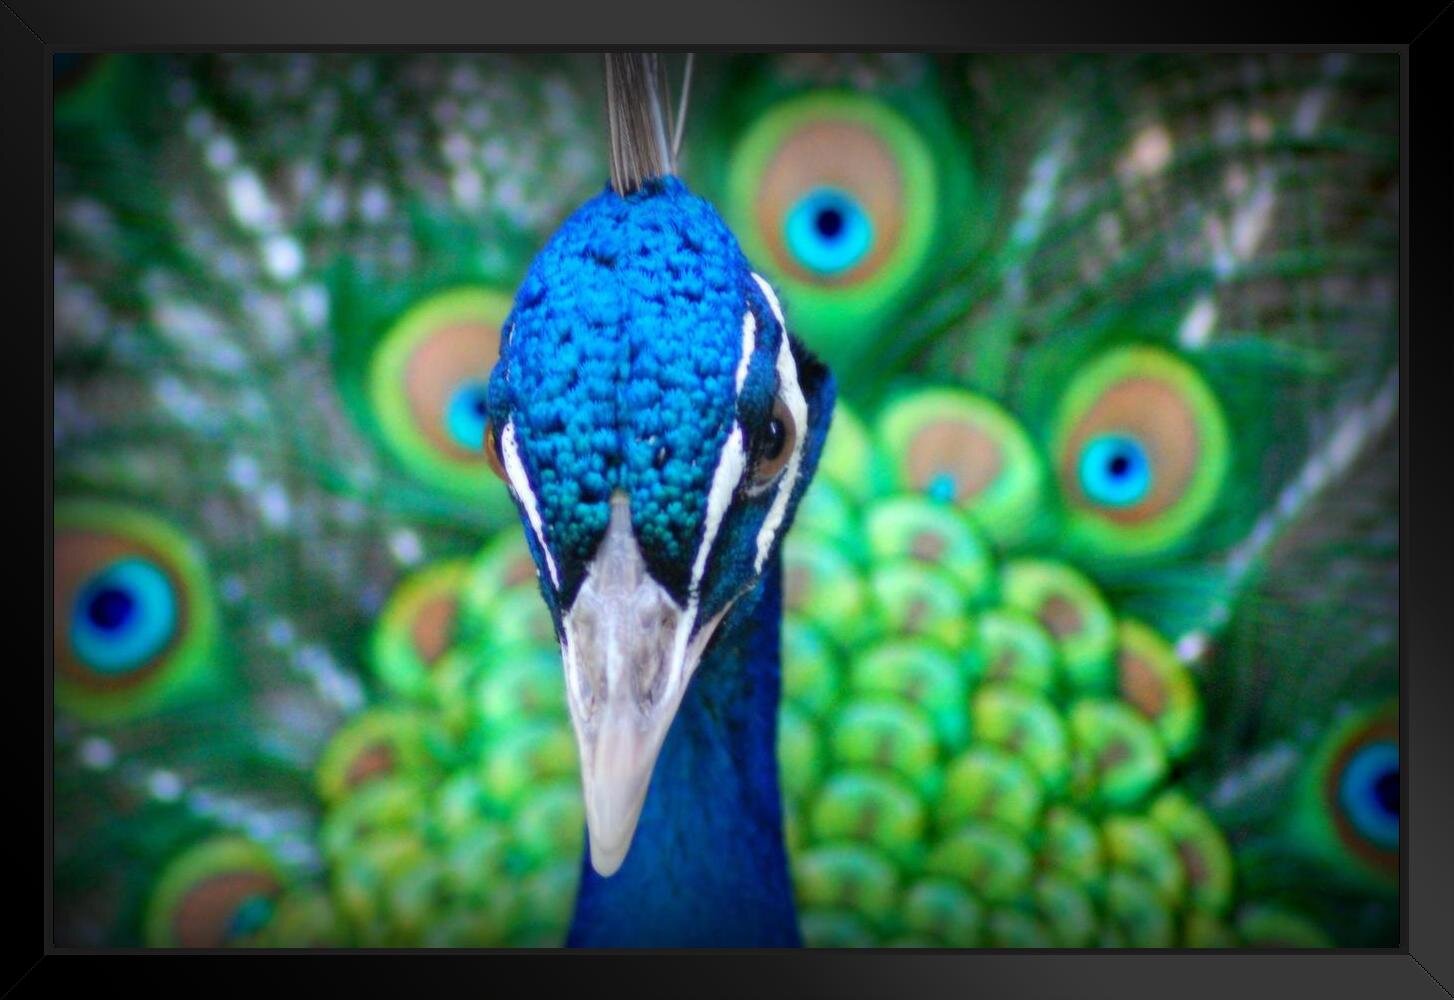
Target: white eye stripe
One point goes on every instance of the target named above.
(749, 345)
(792, 396)
(772, 302)
(724, 483)
(520, 484)
(732, 464)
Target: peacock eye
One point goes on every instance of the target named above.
(124, 616)
(1141, 449)
(778, 438)
(828, 231)
(465, 414)
(492, 452)
(222, 891)
(428, 390)
(1115, 470)
(1356, 790)
(1369, 793)
(134, 613)
(836, 190)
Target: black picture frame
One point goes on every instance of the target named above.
(1422, 35)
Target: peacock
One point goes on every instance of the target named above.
(1012, 544)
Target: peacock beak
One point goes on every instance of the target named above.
(629, 651)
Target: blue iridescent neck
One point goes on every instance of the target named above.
(708, 864)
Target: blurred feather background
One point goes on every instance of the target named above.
(1092, 612)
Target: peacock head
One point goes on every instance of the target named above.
(656, 426)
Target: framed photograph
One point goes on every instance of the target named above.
(931, 501)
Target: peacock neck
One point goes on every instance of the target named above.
(708, 865)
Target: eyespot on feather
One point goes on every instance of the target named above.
(218, 893)
(427, 383)
(417, 626)
(373, 746)
(1349, 810)
(960, 448)
(1140, 450)
(835, 192)
(135, 613)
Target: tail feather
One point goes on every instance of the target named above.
(258, 255)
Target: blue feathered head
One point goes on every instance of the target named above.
(656, 425)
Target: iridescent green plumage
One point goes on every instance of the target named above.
(1090, 609)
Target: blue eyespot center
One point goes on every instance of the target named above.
(1385, 792)
(467, 413)
(251, 916)
(1369, 793)
(942, 487)
(123, 616)
(829, 222)
(1115, 470)
(828, 231)
(110, 608)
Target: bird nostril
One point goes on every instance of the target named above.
(657, 636)
(590, 678)
(597, 684)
